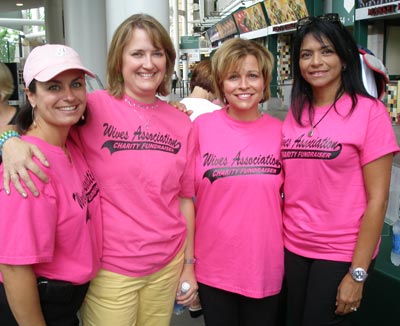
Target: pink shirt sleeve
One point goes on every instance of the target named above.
(26, 236)
(379, 139)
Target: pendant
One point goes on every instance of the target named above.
(311, 132)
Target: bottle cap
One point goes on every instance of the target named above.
(185, 286)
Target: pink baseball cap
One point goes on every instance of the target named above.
(47, 61)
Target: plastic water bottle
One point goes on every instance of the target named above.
(395, 254)
(179, 308)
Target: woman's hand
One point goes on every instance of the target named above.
(187, 275)
(17, 160)
(181, 107)
(349, 295)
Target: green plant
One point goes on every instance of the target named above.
(8, 44)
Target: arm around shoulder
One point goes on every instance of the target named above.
(17, 160)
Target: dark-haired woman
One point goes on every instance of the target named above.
(50, 246)
(140, 151)
(338, 147)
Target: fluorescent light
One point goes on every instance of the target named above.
(19, 4)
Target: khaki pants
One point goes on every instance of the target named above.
(120, 300)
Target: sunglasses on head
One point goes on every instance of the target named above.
(334, 18)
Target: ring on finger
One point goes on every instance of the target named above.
(353, 309)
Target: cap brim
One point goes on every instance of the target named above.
(49, 74)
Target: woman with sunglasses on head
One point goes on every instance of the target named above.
(337, 150)
(50, 246)
(140, 150)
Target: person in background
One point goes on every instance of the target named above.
(175, 79)
(337, 151)
(7, 112)
(201, 94)
(141, 151)
(48, 246)
(238, 240)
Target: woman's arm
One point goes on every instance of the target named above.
(7, 128)
(377, 181)
(187, 209)
(17, 160)
(20, 284)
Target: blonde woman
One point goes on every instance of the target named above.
(238, 242)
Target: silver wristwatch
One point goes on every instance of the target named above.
(358, 274)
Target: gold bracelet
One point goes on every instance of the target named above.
(190, 261)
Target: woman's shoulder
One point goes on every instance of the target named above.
(99, 95)
(271, 120)
(101, 101)
(172, 110)
(210, 117)
(373, 105)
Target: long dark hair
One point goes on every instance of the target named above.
(345, 46)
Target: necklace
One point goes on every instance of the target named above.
(142, 106)
(311, 132)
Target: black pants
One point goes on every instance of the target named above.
(222, 308)
(311, 290)
(60, 302)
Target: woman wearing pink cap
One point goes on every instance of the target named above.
(140, 150)
(50, 245)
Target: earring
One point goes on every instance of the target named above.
(344, 68)
(33, 117)
(83, 117)
(120, 78)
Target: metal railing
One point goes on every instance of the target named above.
(184, 89)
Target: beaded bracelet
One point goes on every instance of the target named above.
(7, 135)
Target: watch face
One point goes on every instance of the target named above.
(359, 274)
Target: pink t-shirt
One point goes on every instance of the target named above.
(238, 240)
(325, 195)
(142, 159)
(55, 232)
